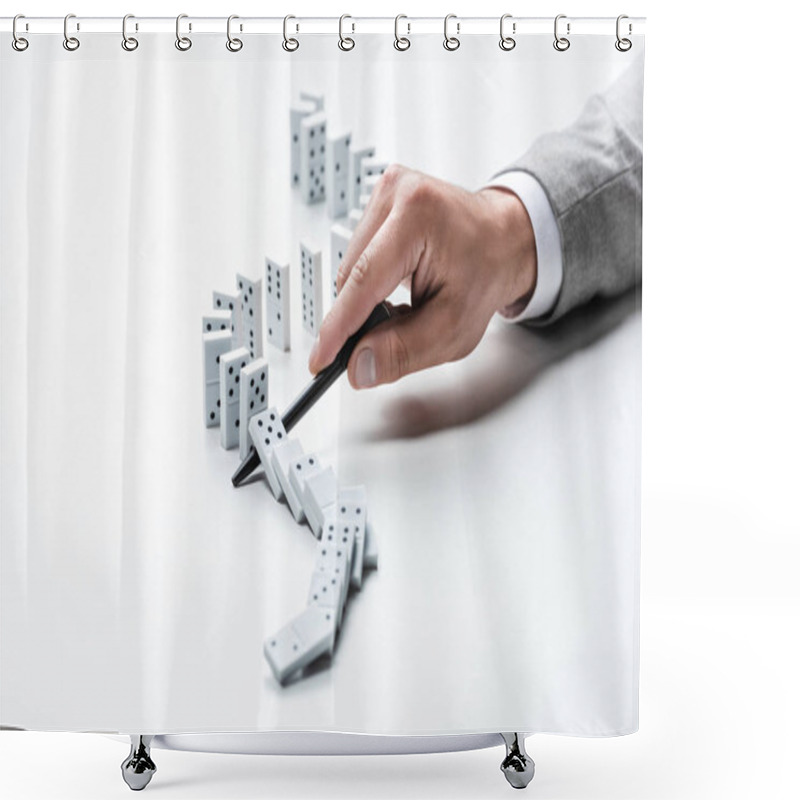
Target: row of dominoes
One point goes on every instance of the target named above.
(325, 167)
(338, 518)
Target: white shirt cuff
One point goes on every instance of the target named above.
(549, 271)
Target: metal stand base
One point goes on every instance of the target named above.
(517, 766)
(138, 768)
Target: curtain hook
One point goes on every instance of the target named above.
(451, 42)
(623, 45)
(401, 42)
(289, 44)
(183, 43)
(233, 44)
(70, 42)
(19, 43)
(129, 43)
(507, 42)
(346, 42)
(561, 43)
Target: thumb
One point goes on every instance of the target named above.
(413, 339)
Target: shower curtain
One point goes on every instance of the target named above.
(145, 195)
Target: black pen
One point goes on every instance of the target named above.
(320, 383)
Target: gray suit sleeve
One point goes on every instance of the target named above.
(592, 175)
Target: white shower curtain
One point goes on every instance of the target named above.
(138, 586)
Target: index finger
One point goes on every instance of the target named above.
(391, 254)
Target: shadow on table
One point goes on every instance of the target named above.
(508, 360)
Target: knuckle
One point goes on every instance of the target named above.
(399, 358)
(360, 271)
(392, 176)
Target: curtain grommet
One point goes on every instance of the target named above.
(451, 43)
(401, 43)
(70, 43)
(623, 44)
(182, 43)
(561, 43)
(507, 43)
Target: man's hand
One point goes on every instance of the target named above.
(464, 255)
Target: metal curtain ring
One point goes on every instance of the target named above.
(623, 45)
(561, 43)
(401, 43)
(129, 43)
(70, 42)
(290, 44)
(451, 42)
(507, 42)
(183, 43)
(19, 43)
(346, 42)
(233, 44)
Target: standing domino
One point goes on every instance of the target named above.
(230, 366)
(319, 498)
(278, 296)
(311, 288)
(336, 166)
(232, 303)
(354, 174)
(253, 393)
(302, 641)
(215, 345)
(316, 100)
(217, 321)
(282, 458)
(354, 217)
(312, 157)
(267, 432)
(372, 167)
(299, 472)
(251, 315)
(352, 512)
(340, 239)
(296, 115)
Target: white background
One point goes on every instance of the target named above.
(719, 696)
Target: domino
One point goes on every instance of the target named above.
(277, 281)
(340, 239)
(251, 315)
(282, 458)
(311, 288)
(351, 511)
(267, 432)
(215, 344)
(232, 303)
(217, 321)
(369, 183)
(316, 100)
(336, 166)
(307, 637)
(299, 472)
(370, 548)
(354, 174)
(319, 498)
(331, 587)
(312, 157)
(230, 366)
(372, 168)
(253, 393)
(297, 114)
(354, 217)
(363, 200)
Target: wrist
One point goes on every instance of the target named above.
(513, 249)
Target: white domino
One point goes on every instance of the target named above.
(232, 303)
(369, 183)
(311, 634)
(311, 288)
(354, 217)
(217, 321)
(319, 498)
(215, 344)
(363, 200)
(351, 511)
(253, 394)
(354, 174)
(252, 319)
(230, 367)
(282, 458)
(372, 168)
(276, 279)
(312, 157)
(340, 239)
(316, 100)
(336, 166)
(330, 580)
(267, 432)
(370, 548)
(299, 472)
(297, 114)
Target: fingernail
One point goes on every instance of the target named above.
(365, 369)
(314, 350)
